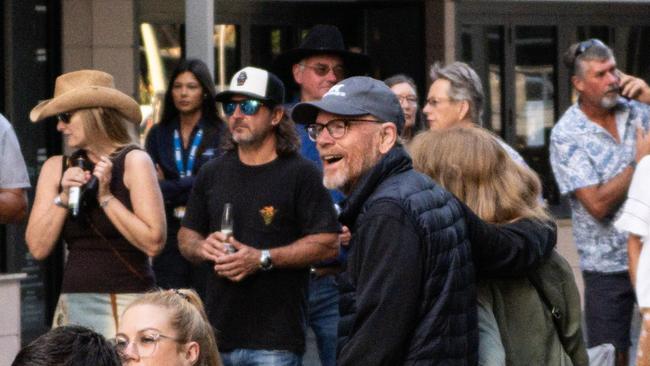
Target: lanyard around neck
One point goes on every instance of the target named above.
(178, 155)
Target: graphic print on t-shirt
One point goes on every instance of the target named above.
(268, 212)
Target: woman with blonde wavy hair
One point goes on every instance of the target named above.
(515, 322)
(167, 327)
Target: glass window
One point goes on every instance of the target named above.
(161, 49)
(637, 53)
(535, 59)
(267, 42)
(494, 87)
(226, 53)
(482, 47)
(601, 32)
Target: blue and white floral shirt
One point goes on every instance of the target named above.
(584, 154)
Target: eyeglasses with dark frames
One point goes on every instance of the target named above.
(585, 45)
(410, 99)
(64, 117)
(434, 103)
(248, 107)
(337, 128)
(323, 70)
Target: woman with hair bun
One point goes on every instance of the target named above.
(167, 328)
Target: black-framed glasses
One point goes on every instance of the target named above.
(145, 343)
(410, 99)
(323, 70)
(337, 128)
(434, 103)
(585, 45)
(64, 117)
(248, 107)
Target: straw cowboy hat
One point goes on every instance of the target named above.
(321, 40)
(86, 89)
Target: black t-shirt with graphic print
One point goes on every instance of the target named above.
(274, 205)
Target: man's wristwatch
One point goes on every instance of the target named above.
(265, 260)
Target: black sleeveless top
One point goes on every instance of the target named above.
(100, 259)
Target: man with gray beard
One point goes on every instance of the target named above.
(594, 150)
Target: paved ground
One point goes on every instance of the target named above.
(565, 246)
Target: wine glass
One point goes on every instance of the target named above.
(226, 225)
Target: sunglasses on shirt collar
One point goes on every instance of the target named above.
(247, 106)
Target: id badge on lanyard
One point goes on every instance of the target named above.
(179, 212)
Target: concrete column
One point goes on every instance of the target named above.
(10, 316)
(100, 34)
(199, 31)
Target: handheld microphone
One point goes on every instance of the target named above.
(75, 192)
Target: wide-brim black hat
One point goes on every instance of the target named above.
(321, 39)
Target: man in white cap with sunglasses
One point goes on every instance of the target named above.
(284, 221)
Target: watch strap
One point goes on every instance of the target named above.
(265, 260)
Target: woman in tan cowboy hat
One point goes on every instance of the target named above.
(119, 221)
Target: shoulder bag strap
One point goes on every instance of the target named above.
(556, 313)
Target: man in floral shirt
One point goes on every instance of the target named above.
(594, 149)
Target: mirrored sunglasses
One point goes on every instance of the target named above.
(248, 107)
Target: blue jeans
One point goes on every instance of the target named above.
(260, 357)
(324, 316)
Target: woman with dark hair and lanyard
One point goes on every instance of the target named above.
(187, 136)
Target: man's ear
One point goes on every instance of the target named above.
(463, 110)
(278, 113)
(296, 70)
(191, 352)
(388, 137)
(578, 83)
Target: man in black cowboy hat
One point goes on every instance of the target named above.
(319, 62)
(314, 67)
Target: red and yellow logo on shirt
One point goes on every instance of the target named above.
(268, 213)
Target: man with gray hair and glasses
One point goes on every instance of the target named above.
(594, 149)
(456, 99)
